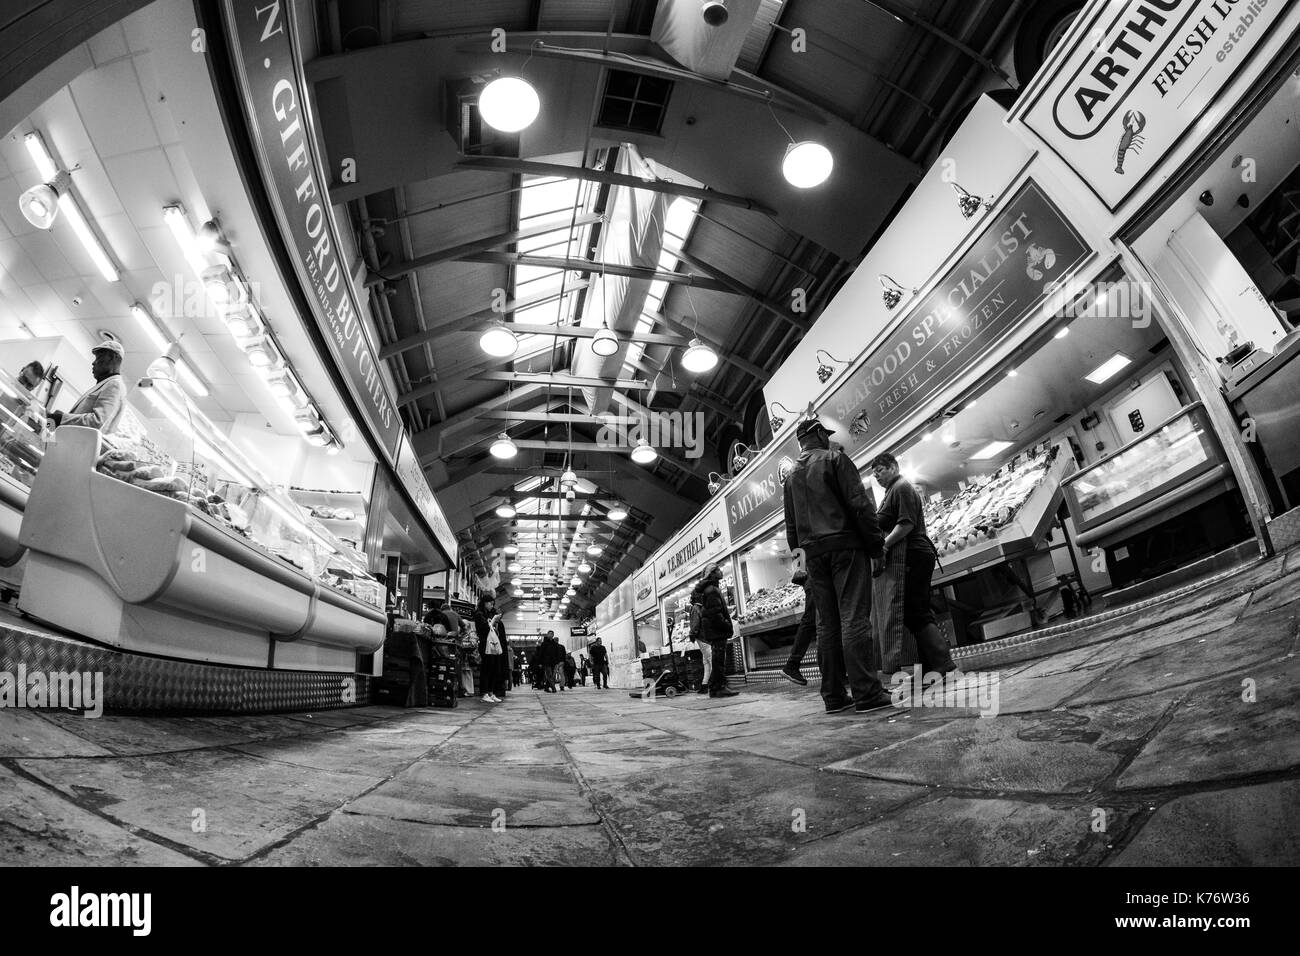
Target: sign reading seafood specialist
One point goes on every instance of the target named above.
(268, 67)
(644, 593)
(1137, 77)
(989, 292)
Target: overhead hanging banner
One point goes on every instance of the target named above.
(269, 71)
(644, 593)
(755, 496)
(1132, 79)
(1019, 258)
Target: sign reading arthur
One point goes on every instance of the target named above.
(996, 285)
(1131, 78)
(269, 70)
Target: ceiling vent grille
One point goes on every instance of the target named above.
(634, 102)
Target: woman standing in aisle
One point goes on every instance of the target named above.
(491, 645)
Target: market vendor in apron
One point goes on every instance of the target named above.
(908, 548)
(102, 405)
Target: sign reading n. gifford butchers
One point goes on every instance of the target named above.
(1136, 77)
(1017, 261)
(278, 113)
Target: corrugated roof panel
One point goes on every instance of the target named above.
(452, 288)
(756, 38)
(416, 17)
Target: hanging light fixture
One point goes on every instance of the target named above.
(643, 454)
(569, 482)
(824, 371)
(40, 204)
(893, 292)
(505, 510)
(514, 567)
(584, 568)
(571, 592)
(618, 512)
(503, 447)
(776, 421)
(594, 549)
(807, 164)
(604, 343)
(698, 357)
(509, 104)
(968, 204)
(511, 548)
(498, 341)
(716, 482)
(576, 581)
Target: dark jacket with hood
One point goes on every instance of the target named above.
(827, 508)
(715, 619)
(550, 653)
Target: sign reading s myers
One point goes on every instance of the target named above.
(644, 593)
(1017, 261)
(1136, 77)
(705, 540)
(278, 114)
(755, 497)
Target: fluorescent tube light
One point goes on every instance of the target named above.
(179, 224)
(71, 211)
(1108, 368)
(991, 450)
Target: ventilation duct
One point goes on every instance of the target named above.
(681, 30)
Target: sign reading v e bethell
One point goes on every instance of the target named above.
(997, 285)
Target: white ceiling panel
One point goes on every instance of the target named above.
(155, 101)
(111, 105)
(18, 264)
(47, 256)
(139, 178)
(108, 44)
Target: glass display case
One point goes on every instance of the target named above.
(676, 609)
(1166, 459)
(176, 544)
(770, 600)
(649, 634)
(22, 431)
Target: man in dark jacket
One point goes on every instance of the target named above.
(715, 627)
(599, 663)
(832, 517)
(551, 654)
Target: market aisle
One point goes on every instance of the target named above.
(1161, 742)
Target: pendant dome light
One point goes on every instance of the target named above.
(807, 164)
(584, 568)
(498, 341)
(698, 357)
(618, 512)
(505, 510)
(509, 104)
(604, 343)
(594, 549)
(503, 447)
(643, 454)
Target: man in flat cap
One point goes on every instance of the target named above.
(831, 515)
(101, 406)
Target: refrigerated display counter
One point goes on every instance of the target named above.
(21, 450)
(1174, 467)
(152, 568)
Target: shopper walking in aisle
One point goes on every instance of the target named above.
(695, 632)
(469, 659)
(570, 670)
(599, 663)
(551, 654)
(903, 521)
(715, 627)
(832, 517)
(804, 634)
(491, 647)
(582, 669)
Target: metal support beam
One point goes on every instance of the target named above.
(436, 432)
(452, 253)
(560, 380)
(900, 12)
(723, 353)
(468, 319)
(466, 370)
(738, 287)
(587, 267)
(586, 332)
(530, 168)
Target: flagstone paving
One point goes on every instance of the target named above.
(1168, 736)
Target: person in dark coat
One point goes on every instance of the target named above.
(550, 654)
(599, 662)
(715, 627)
(492, 667)
(570, 670)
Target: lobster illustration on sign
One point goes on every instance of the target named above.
(860, 424)
(1036, 256)
(1131, 138)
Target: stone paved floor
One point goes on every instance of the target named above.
(1171, 743)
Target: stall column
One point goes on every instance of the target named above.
(1205, 384)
